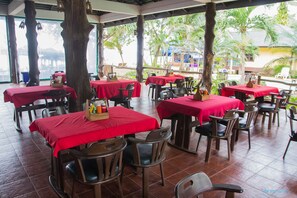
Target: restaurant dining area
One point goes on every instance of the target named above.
(37, 161)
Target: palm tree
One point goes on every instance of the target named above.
(118, 36)
(241, 21)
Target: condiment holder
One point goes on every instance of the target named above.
(96, 110)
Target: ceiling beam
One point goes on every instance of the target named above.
(15, 7)
(114, 17)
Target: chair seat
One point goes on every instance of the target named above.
(90, 169)
(145, 152)
(206, 129)
(266, 107)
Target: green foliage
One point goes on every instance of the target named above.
(131, 74)
(293, 99)
(282, 16)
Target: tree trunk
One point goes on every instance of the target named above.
(13, 52)
(208, 46)
(76, 30)
(31, 35)
(100, 49)
(140, 30)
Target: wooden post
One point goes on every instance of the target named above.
(76, 30)
(100, 49)
(208, 46)
(31, 35)
(13, 52)
(140, 30)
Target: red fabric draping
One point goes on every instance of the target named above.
(216, 106)
(26, 95)
(69, 130)
(108, 90)
(258, 91)
(60, 74)
(162, 80)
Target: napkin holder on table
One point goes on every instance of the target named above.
(95, 116)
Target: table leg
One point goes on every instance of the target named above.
(17, 120)
(183, 133)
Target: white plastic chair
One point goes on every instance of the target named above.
(285, 73)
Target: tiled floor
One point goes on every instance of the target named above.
(260, 171)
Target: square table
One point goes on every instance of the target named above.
(21, 97)
(160, 81)
(186, 107)
(69, 130)
(259, 91)
(109, 89)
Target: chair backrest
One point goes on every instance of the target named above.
(233, 82)
(287, 93)
(179, 83)
(231, 117)
(193, 185)
(220, 87)
(166, 94)
(104, 158)
(157, 139)
(130, 89)
(251, 112)
(59, 98)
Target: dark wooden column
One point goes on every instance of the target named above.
(100, 49)
(140, 31)
(13, 52)
(76, 30)
(208, 46)
(31, 35)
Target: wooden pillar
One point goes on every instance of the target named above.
(140, 31)
(76, 30)
(31, 35)
(100, 48)
(13, 52)
(208, 46)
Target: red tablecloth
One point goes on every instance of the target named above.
(60, 74)
(258, 91)
(108, 90)
(216, 106)
(69, 130)
(162, 80)
(26, 95)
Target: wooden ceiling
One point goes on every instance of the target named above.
(116, 12)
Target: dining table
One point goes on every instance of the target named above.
(23, 99)
(258, 91)
(108, 89)
(185, 108)
(74, 129)
(160, 81)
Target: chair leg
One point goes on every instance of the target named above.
(270, 120)
(278, 119)
(287, 148)
(97, 190)
(218, 144)
(286, 114)
(229, 148)
(145, 182)
(120, 187)
(162, 174)
(249, 138)
(198, 143)
(73, 187)
(209, 142)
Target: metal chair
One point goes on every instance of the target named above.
(124, 96)
(147, 153)
(215, 130)
(198, 183)
(293, 133)
(56, 102)
(97, 164)
(152, 86)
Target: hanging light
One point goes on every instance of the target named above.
(38, 26)
(60, 6)
(89, 7)
(22, 25)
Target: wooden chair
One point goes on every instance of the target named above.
(272, 109)
(245, 122)
(56, 102)
(285, 93)
(293, 134)
(97, 164)
(189, 83)
(147, 153)
(124, 96)
(215, 130)
(198, 183)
